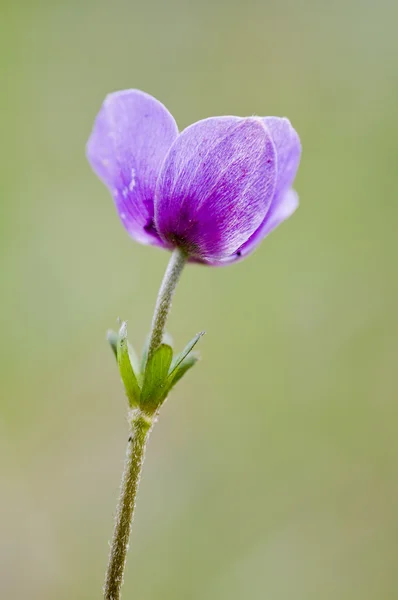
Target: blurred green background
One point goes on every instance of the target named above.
(273, 471)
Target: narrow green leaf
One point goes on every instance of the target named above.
(112, 338)
(135, 363)
(167, 339)
(180, 357)
(126, 370)
(144, 354)
(180, 370)
(157, 368)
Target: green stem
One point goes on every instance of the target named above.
(165, 296)
(139, 433)
(141, 424)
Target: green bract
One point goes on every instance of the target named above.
(147, 384)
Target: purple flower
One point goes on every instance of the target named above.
(216, 189)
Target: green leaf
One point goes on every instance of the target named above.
(157, 368)
(180, 357)
(135, 363)
(126, 370)
(167, 339)
(112, 338)
(180, 370)
(144, 354)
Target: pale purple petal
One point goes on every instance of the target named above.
(216, 186)
(288, 151)
(285, 199)
(130, 139)
(278, 212)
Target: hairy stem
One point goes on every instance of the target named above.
(140, 429)
(141, 424)
(165, 296)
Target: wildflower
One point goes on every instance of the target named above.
(215, 190)
(210, 194)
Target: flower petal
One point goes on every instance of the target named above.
(288, 151)
(131, 136)
(285, 200)
(215, 186)
(280, 210)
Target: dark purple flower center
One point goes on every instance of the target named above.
(150, 227)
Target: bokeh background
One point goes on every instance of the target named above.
(273, 471)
